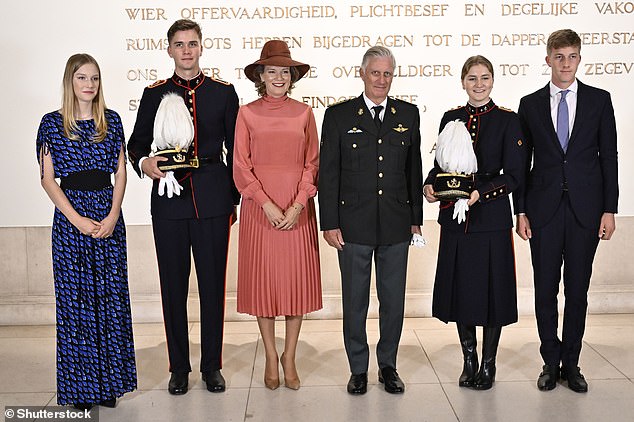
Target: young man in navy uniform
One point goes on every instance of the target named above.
(370, 203)
(200, 217)
(569, 201)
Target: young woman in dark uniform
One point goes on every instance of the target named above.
(475, 276)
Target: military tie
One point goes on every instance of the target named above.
(562, 120)
(377, 114)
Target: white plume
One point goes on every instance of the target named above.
(173, 125)
(454, 150)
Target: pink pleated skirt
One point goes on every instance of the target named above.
(278, 270)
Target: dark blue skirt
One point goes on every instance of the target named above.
(475, 278)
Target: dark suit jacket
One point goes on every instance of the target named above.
(588, 168)
(209, 191)
(370, 181)
(501, 153)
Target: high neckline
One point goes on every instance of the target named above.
(480, 109)
(275, 100)
(189, 83)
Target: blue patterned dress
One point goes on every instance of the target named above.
(95, 349)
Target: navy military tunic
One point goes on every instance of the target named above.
(475, 274)
(209, 191)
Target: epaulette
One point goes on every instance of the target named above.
(220, 81)
(345, 100)
(456, 108)
(506, 109)
(158, 83)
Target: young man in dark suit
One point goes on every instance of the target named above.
(370, 203)
(568, 202)
(198, 219)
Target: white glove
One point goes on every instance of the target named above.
(418, 241)
(460, 209)
(170, 184)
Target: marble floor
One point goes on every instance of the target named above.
(429, 363)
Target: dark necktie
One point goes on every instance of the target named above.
(377, 115)
(562, 120)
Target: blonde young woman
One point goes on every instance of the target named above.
(82, 145)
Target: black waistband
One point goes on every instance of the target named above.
(86, 180)
(485, 177)
(203, 161)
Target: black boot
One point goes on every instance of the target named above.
(468, 342)
(486, 376)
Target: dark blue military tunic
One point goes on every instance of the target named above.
(475, 275)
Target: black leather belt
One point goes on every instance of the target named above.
(203, 161)
(86, 180)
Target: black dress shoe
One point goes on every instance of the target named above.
(393, 383)
(548, 378)
(108, 403)
(214, 380)
(358, 384)
(576, 381)
(83, 406)
(178, 383)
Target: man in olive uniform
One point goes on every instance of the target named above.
(199, 218)
(370, 202)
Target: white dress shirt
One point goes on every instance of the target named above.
(571, 100)
(369, 103)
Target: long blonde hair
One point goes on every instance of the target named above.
(69, 101)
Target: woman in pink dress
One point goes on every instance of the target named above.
(276, 158)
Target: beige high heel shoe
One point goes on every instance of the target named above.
(272, 382)
(292, 383)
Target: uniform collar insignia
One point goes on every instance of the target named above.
(471, 109)
(400, 128)
(189, 83)
(393, 110)
(360, 112)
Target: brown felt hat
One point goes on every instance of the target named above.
(275, 53)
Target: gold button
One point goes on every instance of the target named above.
(380, 175)
(487, 197)
(380, 158)
(519, 142)
(402, 142)
(501, 190)
(354, 145)
(495, 193)
(343, 202)
(380, 141)
(191, 109)
(471, 116)
(472, 134)
(191, 101)
(380, 192)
